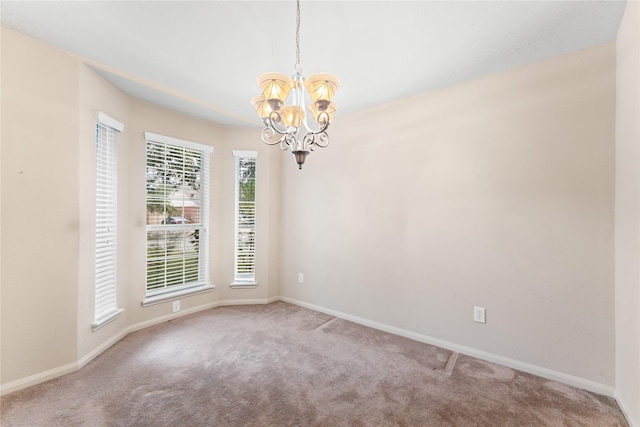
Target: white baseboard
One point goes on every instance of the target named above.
(170, 316)
(38, 378)
(571, 380)
(101, 348)
(74, 366)
(249, 301)
(515, 364)
(633, 422)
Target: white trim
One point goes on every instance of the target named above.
(244, 153)
(154, 137)
(550, 374)
(72, 367)
(240, 285)
(38, 378)
(106, 221)
(167, 292)
(166, 296)
(525, 367)
(244, 268)
(101, 348)
(157, 320)
(174, 227)
(110, 318)
(625, 410)
(106, 120)
(256, 301)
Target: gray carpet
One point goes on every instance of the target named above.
(282, 365)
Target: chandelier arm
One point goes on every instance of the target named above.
(322, 141)
(271, 130)
(310, 142)
(317, 139)
(324, 125)
(288, 141)
(274, 119)
(268, 134)
(323, 128)
(324, 138)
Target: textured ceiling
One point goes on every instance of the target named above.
(202, 58)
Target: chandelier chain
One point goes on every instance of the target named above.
(297, 35)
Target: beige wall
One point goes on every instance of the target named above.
(40, 216)
(49, 103)
(497, 192)
(627, 213)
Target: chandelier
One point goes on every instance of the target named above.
(287, 124)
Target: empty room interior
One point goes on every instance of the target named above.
(449, 236)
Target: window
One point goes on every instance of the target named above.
(177, 199)
(245, 216)
(106, 308)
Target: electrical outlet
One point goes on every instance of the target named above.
(176, 306)
(300, 278)
(479, 315)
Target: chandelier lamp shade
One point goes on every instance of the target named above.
(283, 110)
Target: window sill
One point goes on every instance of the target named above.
(156, 299)
(113, 316)
(243, 285)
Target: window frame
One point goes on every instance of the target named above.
(106, 221)
(240, 282)
(172, 291)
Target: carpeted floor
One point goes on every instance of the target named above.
(282, 365)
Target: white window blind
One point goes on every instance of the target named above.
(245, 218)
(177, 200)
(106, 308)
